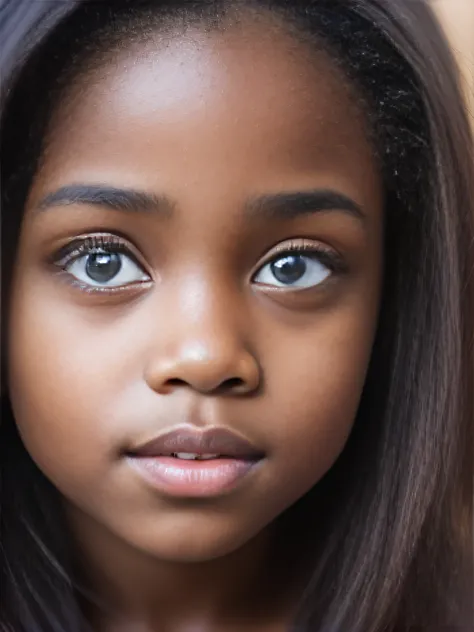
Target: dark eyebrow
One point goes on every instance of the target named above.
(294, 204)
(286, 205)
(113, 198)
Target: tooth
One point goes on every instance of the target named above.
(185, 455)
(192, 456)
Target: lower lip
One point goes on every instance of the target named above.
(189, 478)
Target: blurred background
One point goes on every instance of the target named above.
(457, 18)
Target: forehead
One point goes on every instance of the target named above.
(249, 101)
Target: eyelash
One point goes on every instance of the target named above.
(81, 247)
(325, 255)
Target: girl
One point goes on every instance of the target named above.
(237, 277)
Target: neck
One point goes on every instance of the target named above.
(133, 586)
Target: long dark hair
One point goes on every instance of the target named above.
(393, 550)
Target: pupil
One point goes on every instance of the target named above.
(103, 266)
(289, 269)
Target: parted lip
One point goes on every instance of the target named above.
(217, 440)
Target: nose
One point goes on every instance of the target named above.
(207, 355)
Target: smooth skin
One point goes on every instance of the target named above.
(214, 128)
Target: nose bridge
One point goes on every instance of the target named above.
(208, 311)
(205, 344)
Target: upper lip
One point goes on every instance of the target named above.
(220, 440)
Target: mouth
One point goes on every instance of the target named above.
(190, 456)
(187, 462)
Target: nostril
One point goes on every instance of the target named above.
(175, 381)
(217, 373)
(227, 385)
(232, 384)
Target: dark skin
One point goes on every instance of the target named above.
(219, 125)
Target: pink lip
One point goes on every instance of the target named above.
(186, 478)
(210, 440)
(154, 462)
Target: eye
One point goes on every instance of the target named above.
(97, 262)
(294, 270)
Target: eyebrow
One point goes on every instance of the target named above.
(297, 203)
(114, 198)
(285, 205)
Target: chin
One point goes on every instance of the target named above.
(192, 541)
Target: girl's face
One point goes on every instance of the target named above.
(218, 263)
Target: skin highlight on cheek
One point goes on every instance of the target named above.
(196, 313)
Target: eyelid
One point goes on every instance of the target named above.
(328, 255)
(81, 245)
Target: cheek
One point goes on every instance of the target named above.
(64, 374)
(315, 395)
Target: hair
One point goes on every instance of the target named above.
(388, 530)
